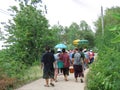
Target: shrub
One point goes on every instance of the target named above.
(104, 73)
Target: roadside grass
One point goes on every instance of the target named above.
(31, 74)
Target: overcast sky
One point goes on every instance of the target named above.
(66, 11)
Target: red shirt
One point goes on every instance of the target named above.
(64, 57)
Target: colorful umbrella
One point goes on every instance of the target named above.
(61, 45)
(80, 42)
(75, 42)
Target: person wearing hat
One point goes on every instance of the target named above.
(57, 67)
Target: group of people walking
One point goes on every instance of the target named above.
(60, 62)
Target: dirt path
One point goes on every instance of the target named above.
(60, 85)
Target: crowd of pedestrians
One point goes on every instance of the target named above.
(54, 64)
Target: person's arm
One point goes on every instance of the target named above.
(42, 60)
(42, 65)
(54, 64)
(54, 61)
(72, 58)
(83, 57)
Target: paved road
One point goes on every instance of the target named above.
(60, 85)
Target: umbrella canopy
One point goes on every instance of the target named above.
(83, 42)
(61, 45)
(79, 42)
(75, 42)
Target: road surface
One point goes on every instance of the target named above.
(60, 85)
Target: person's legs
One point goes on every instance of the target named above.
(51, 82)
(81, 74)
(66, 73)
(61, 71)
(51, 75)
(46, 77)
(76, 75)
(47, 82)
(81, 79)
(76, 72)
(65, 77)
(56, 73)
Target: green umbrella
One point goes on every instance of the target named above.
(83, 42)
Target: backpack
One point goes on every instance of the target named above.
(77, 58)
(82, 55)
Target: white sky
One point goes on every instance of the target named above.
(67, 11)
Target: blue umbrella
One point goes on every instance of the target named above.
(60, 46)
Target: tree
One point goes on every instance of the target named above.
(108, 53)
(82, 31)
(28, 32)
(84, 25)
(111, 21)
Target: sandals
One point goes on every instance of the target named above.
(56, 80)
(81, 80)
(52, 84)
(46, 85)
(66, 79)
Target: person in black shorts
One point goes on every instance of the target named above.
(48, 68)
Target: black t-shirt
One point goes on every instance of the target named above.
(48, 60)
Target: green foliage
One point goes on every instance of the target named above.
(32, 73)
(74, 31)
(82, 31)
(104, 72)
(116, 39)
(15, 72)
(27, 34)
(10, 66)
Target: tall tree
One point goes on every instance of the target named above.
(28, 32)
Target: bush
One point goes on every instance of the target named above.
(104, 73)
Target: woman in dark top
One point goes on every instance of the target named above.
(48, 69)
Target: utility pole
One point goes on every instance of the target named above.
(102, 21)
(59, 31)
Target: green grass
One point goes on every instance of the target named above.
(31, 74)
